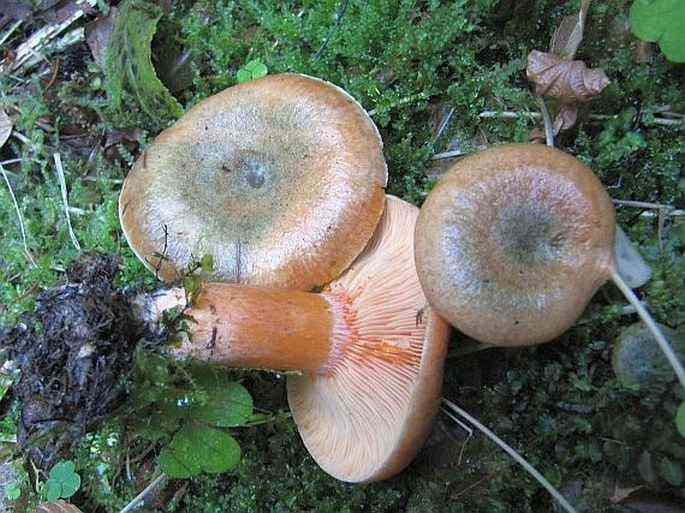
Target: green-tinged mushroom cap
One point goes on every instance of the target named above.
(280, 179)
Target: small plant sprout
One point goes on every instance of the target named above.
(513, 242)
(62, 482)
(251, 70)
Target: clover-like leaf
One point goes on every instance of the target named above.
(62, 481)
(253, 69)
(661, 21)
(196, 448)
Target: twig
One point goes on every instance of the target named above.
(516, 456)
(444, 122)
(642, 204)
(338, 18)
(21, 220)
(141, 496)
(547, 121)
(10, 31)
(679, 119)
(447, 155)
(65, 201)
(29, 52)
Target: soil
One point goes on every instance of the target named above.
(73, 352)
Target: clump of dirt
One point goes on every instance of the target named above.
(73, 352)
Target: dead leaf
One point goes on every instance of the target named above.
(564, 80)
(98, 34)
(569, 33)
(621, 493)
(59, 506)
(567, 115)
(5, 127)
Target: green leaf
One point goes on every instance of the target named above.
(128, 61)
(645, 467)
(680, 419)
(228, 405)
(62, 471)
(197, 447)
(661, 21)
(71, 486)
(220, 451)
(670, 471)
(253, 69)
(12, 491)
(62, 480)
(52, 490)
(207, 262)
(180, 458)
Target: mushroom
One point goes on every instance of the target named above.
(368, 350)
(513, 242)
(280, 179)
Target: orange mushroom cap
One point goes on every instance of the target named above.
(366, 418)
(369, 349)
(513, 241)
(280, 179)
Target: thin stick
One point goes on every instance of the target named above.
(642, 204)
(516, 456)
(509, 114)
(65, 201)
(651, 325)
(139, 498)
(547, 121)
(21, 220)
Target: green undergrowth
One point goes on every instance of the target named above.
(408, 63)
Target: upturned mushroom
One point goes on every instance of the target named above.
(513, 242)
(280, 179)
(368, 350)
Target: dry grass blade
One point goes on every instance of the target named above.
(511, 452)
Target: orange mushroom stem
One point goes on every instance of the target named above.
(278, 329)
(369, 349)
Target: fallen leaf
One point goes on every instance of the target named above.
(98, 34)
(569, 33)
(566, 117)
(620, 493)
(5, 127)
(564, 80)
(59, 506)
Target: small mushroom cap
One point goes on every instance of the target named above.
(365, 419)
(513, 241)
(280, 179)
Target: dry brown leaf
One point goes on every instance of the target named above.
(622, 493)
(567, 115)
(569, 33)
(59, 506)
(564, 80)
(5, 127)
